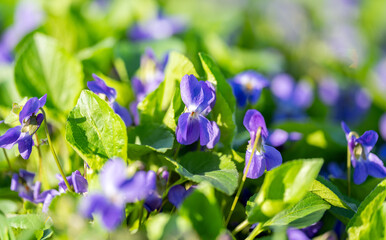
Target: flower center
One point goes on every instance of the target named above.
(30, 125)
(249, 86)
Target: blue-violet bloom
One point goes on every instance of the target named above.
(178, 193)
(199, 98)
(247, 86)
(76, 181)
(109, 94)
(363, 161)
(30, 122)
(265, 157)
(279, 137)
(117, 190)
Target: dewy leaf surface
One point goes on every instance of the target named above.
(44, 67)
(95, 131)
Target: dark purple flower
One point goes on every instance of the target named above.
(292, 98)
(117, 190)
(30, 122)
(153, 202)
(348, 104)
(20, 28)
(279, 137)
(23, 183)
(109, 94)
(178, 193)
(364, 162)
(247, 86)
(199, 98)
(76, 181)
(265, 157)
(335, 170)
(160, 27)
(305, 233)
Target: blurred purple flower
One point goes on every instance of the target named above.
(160, 27)
(292, 98)
(178, 193)
(348, 105)
(335, 170)
(364, 162)
(265, 157)
(76, 181)
(117, 190)
(109, 94)
(30, 122)
(20, 28)
(153, 202)
(199, 98)
(247, 86)
(279, 137)
(305, 233)
(23, 183)
(382, 126)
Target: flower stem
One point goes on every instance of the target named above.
(53, 152)
(258, 133)
(240, 227)
(40, 158)
(348, 172)
(177, 151)
(6, 157)
(258, 229)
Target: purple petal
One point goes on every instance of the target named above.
(215, 137)
(176, 195)
(123, 113)
(335, 170)
(295, 136)
(153, 202)
(138, 88)
(42, 101)
(278, 137)
(313, 229)
(254, 96)
(48, 199)
(257, 166)
(206, 131)
(241, 97)
(303, 95)
(15, 182)
(188, 129)
(112, 215)
(10, 137)
(360, 172)
(31, 107)
(99, 86)
(91, 204)
(329, 91)
(192, 93)
(345, 128)
(36, 191)
(272, 157)
(134, 112)
(27, 176)
(368, 140)
(79, 182)
(282, 87)
(252, 121)
(112, 175)
(25, 143)
(140, 186)
(382, 126)
(209, 98)
(375, 166)
(296, 234)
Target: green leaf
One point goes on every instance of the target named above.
(331, 194)
(202, 210)
(175, 110)
(304, 213)
(43, 67)
(146, 138)
(218, 170)
(95, 132)
(225, 100)
(291, 182)
(27, 221)
(8, 92)
(370, 220)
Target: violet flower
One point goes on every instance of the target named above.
(305, 233)
(12, 36)
(109, 94)
(247, 86)
(160, 27)
(117, 190)
(178, 193)
(364, 162)
(30, 122)
(292, 98)
(382, 126)
(265, 157)
(76, 181)
(23, 183)
(279, 137)
(199, 98)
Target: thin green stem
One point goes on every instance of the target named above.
(240, 227)
(177, 151)
(349, 163)
(119, 65)
(258, 229)
(258, 133)
(198, 146)
(6, 157)
(53, 152)
(40, 158)
(85, 170)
